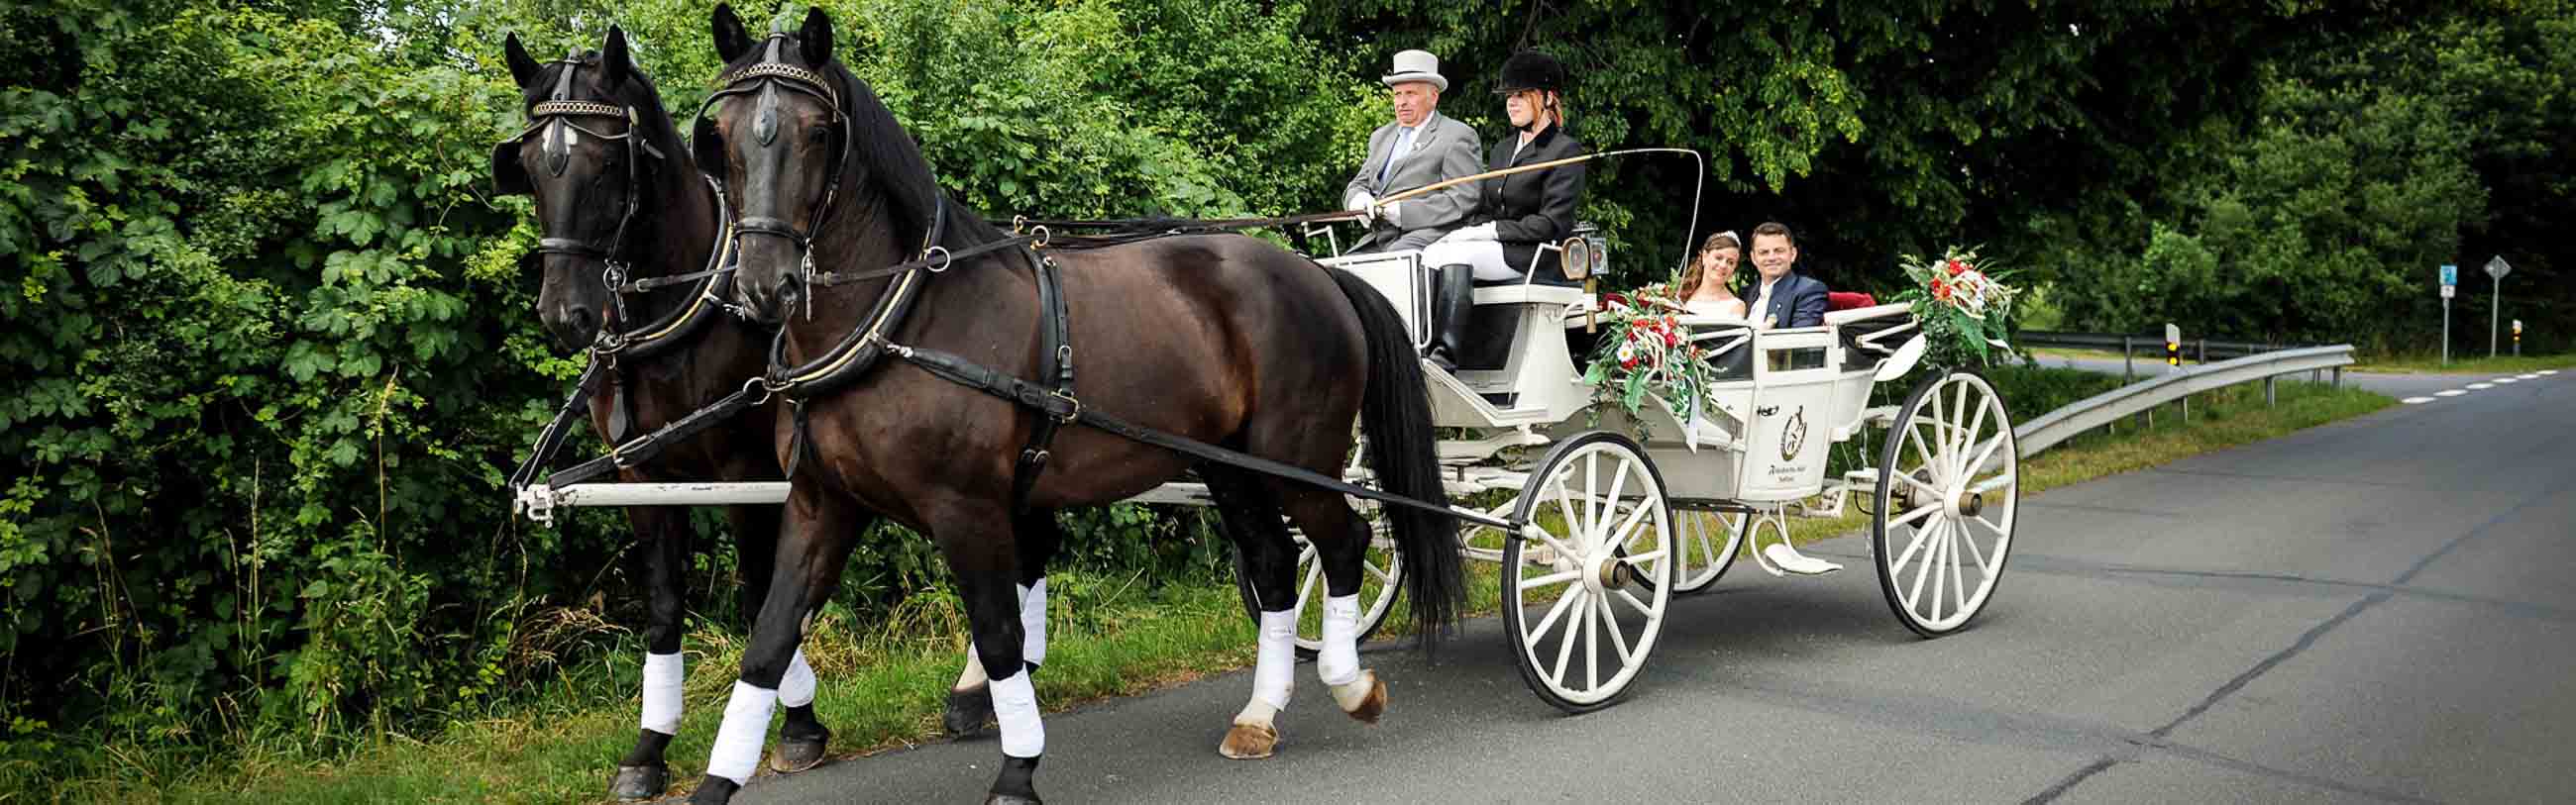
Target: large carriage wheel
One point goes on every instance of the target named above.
(1381, 574)
(1585, 592)
(1708, 544)
(1949, 483)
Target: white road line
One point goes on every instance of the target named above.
(2548, 371)
(2450, 393)
(2481, 386)
(2503, 380)
(2416, 400)
(2528, 376)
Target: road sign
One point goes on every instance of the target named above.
(2449, 290)
(2497, 268)
(2450, 275)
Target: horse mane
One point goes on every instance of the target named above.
(900, 169)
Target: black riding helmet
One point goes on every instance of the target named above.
(1530, 69)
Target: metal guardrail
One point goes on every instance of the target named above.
(2048, 429)
(2199, 349)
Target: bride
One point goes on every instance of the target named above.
(1707, 287)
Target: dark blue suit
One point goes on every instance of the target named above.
(1796, 301)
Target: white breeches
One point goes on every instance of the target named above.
(1485, 255)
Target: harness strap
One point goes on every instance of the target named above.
(1055, 358)
(938, 259)
(1001, 384)
(551, 438)
(644, 448)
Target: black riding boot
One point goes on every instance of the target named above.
(1453, 292)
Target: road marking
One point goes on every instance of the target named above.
(2548, 371)
(2528, 376)
(2481, 386)
(2450, 393)
(2502, 380)
(2416, 400)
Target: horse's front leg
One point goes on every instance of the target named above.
(970, 701)
(812, 546)
(983, 557)
(663, 533)
(803, 741)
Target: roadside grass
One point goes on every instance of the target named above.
(2432, 364)
(1110, 635)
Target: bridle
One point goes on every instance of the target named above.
(767, 78)
(557, 117)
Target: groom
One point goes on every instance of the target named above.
(1782, 297)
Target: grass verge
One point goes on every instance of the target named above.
(2432, 364)
(883, 687)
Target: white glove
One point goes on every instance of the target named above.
(1483, 231)
(1384, 212)
(1359, 201)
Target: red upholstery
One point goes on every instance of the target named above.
(1838, 300)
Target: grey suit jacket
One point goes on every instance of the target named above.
(1444, 149)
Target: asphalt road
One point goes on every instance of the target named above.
(2377, 609)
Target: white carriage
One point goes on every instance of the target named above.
(1620, 524)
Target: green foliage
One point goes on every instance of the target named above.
(2369, 161)
(273, 355)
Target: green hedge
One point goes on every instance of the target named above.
(271, 354)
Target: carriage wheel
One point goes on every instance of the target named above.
(1708, 544)
(1585, 591)
(1949, 484)
(1381, 574)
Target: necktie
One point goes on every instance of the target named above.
(1403, 144)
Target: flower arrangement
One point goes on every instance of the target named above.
(1965, 310)
(1644, 349)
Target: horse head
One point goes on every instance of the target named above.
(587, 164)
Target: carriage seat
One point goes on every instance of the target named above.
(1494, 324)
(1845, 300)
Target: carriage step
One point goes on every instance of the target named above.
(1789, 560)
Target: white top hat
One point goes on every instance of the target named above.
(1416, 65)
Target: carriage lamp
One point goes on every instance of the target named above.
(2173, 353)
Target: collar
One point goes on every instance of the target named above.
(1535, 144)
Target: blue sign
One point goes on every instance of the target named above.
(2450, 275)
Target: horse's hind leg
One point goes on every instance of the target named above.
(1341, 542)
(970, 701)
(802, 738)
(1250, 513)
(812, 547)
(983, 557)
(664, 534)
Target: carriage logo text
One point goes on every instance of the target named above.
(1793, 436)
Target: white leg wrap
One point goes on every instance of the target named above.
(1256, 713)
(663, 680)
(746, 725)
(1015, 705)
(796, 689)
(973, 676)
(1274, 670)
(1033, 622)
(1338, 662)
(1348, 695)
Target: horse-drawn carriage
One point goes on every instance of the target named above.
(1615, 513)
(1244, 376)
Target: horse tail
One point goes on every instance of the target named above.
(1395, 416)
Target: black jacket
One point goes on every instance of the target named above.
(1535, 207)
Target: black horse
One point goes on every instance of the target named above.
(615, 186)
(1221, 339)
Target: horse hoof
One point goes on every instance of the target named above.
(714, 791)
(1010, 799)
(639, 782)
(1373, 705)
(798, 754)
(1249, 742)
(968, 711)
